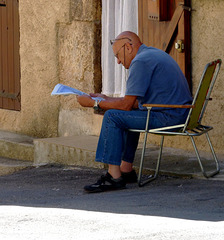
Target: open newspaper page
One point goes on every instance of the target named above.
(61, 89)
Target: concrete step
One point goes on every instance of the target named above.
(9, 166)
(16, 146)
(74, 150)
(81, 150)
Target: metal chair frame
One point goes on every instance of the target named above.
(191, 128)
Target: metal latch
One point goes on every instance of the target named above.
(14, 96)
(179, 46)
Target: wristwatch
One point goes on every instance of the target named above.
(96, 105)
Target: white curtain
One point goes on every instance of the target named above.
(117, 16)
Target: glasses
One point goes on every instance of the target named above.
(115, 40)
(116, 55)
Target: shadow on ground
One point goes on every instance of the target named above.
(62, 187)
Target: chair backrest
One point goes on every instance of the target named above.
(202, 94)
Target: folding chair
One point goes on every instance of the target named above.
(191, 128)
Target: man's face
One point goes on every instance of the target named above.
(121, 52)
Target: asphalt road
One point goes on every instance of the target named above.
(49, 203)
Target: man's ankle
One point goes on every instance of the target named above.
(126, 167)
(114, 171)
(115, 175)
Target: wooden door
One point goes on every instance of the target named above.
(9, 55)
(165, 24)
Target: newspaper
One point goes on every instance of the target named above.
(61, 89)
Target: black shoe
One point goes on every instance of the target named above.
(106, 183)
(129, 177)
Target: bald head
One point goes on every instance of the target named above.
(130, 35)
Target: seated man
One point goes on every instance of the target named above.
(154, 77)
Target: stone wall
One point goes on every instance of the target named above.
(207, 45)
(39, 68)
(80, 66)
(59, 42)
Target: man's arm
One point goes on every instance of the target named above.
(126, 103)
(105, 96)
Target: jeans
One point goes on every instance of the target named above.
(116, 143)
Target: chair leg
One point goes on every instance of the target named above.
(151, 177)
(214, 156)
(207, 175)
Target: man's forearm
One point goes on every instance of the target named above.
(113, 98)
(126, 103)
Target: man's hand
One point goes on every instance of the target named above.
(98, 95)
(85, 101)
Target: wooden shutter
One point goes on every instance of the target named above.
(9, 55)
(165, 24)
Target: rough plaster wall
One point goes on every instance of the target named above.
(79, 60)
(207, 45)
(39, 68)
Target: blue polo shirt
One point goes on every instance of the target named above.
(156, 78)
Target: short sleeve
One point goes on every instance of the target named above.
(138, 80)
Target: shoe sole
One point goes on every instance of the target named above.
(106, 190)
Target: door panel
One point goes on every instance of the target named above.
(9, 55)
(165, 24)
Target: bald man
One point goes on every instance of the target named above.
(154, 77)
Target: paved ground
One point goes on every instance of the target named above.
(49, 203)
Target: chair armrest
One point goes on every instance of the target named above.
(168, 106)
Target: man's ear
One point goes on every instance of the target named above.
(129, 47)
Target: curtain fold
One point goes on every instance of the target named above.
(117, 16)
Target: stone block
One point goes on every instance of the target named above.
(74, 150)
(86, 10)
(16, 146)
(10, 166)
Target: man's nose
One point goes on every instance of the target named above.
(118, 61)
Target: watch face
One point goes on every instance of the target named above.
(95, 104)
